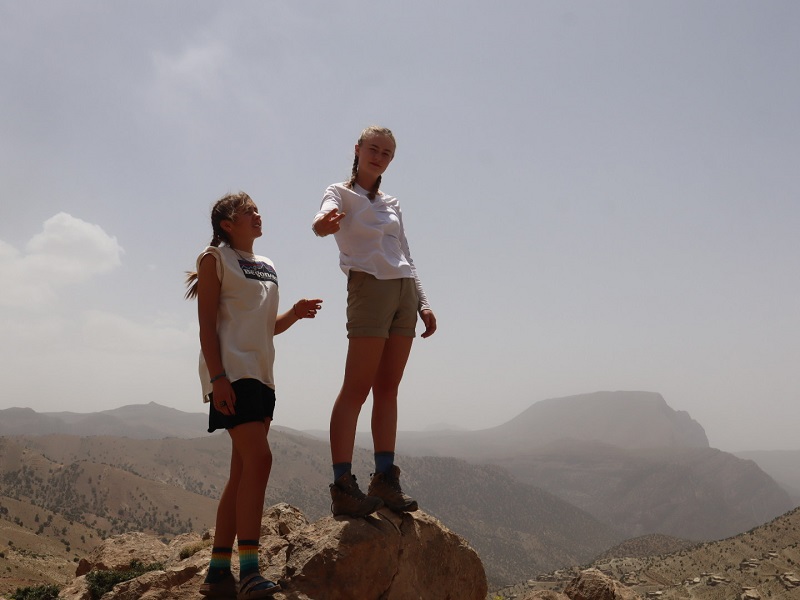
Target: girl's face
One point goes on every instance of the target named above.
(246, 224)
(374, 155)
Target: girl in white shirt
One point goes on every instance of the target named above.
(384, 297)
(237, 305)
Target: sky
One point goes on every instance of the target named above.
(597, 196)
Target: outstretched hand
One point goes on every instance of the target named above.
(307, 309)
(429, 319)
(329, 223)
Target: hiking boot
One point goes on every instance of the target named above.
(386, 486)
(348, 499)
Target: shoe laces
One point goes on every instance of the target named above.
(392, 482)
(352, 489)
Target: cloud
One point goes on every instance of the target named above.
(67, 251)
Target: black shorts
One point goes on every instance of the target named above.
(254, 402)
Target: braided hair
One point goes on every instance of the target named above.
(224, 209)
(369, 132)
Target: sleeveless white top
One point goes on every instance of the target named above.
(248, 308)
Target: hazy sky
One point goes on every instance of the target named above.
(597, 195)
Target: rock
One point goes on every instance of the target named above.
(117, 552)
(406, 556)
(386, 556)
(77, 590)
(591, 584)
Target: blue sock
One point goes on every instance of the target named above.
(384, 461)
(340, 469)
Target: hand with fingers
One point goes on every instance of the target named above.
(329, 223)
(429, 320)
(307, 309)
(224, 397)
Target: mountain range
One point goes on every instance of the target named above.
(561, 483)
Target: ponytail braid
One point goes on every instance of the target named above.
(350, 184)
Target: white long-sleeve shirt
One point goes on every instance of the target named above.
(371, 237)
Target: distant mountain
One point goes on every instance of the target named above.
(140, 421)
(623, 419)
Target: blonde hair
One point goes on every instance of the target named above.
(368, 133)
(224, 209)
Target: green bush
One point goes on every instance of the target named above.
(101, 582)
(38, 592)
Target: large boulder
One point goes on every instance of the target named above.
(385, 555)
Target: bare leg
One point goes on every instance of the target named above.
(225, 531)
(384, 392)
(251, 446)
(363, 358)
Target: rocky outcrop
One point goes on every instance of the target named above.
(591, 584)
(117, 552)
(386, 556)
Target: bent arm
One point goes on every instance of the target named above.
(302, 309)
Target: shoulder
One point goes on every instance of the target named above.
(337, 189)
(213, 251)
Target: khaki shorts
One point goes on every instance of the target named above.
(380, 307)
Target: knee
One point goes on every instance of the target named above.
(353, 396)
(258, 460)
(385, 391)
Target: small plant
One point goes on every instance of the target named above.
(101, 582)
(193, 549)
(39, 592)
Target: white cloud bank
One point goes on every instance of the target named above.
(67, 251)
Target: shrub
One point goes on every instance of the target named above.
(193, 549)
(101, 582)
(39, 592)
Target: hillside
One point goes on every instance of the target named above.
(782, 465)
(104, 485)
(762, 563)
(693, 493)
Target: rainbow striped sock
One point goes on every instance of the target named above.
(248, 557)
(220, 565)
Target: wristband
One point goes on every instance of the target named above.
(220, 376)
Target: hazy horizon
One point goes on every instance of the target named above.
(597, 197)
